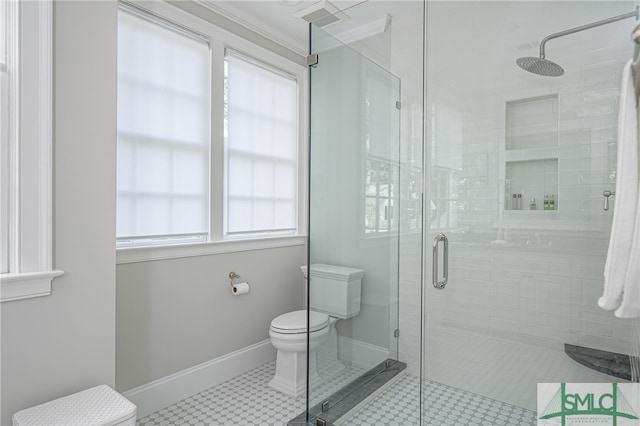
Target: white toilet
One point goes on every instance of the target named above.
(334, 295)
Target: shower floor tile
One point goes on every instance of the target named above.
(399, 405)
(248, 400)
(498, 368)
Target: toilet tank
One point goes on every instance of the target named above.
(334, 290)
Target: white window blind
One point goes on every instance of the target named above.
(163, 132)
(261, 132)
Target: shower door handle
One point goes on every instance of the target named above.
(445, 261)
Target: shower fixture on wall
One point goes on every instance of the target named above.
(547, 68)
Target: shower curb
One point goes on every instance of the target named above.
(351, 395)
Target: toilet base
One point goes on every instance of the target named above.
(291, 373)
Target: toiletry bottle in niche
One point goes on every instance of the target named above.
(552, 202)
(519, 201)
(546, 202)
(514, 202)
(532, 204)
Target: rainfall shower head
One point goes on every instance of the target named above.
(545, 67)
(540, 66)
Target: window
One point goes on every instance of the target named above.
(261, 148)
(208, 134)
(163, 133)
(380, 196)
(382, 168)
(25, 150)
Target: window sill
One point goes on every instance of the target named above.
(146, 254)
(26, 285)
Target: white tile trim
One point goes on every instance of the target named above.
(174, 388)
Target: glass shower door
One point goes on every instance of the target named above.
(353, 223)
(516, 169)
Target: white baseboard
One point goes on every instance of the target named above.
(169, 390)
(361, 353)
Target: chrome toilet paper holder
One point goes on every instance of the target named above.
(239, 288)
(232, 276)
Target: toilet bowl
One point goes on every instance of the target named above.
(334, 294)
(288, 333)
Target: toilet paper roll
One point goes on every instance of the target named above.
(240, 288)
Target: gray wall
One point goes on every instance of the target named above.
(174, 314)
(55, 345)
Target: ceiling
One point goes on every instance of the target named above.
(274, 18)
(470, 38)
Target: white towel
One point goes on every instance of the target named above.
(626, 202)
(630, 307)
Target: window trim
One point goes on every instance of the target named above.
(30, 223)
(150, 253)
(220, 40)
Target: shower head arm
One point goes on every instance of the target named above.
(634, 14)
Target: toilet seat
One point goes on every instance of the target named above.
(296, 322)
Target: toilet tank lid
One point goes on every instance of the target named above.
(335, 272)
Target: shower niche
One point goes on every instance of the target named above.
(531, 154)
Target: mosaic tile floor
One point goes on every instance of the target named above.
(247, 400)
(399, 405)
(493, 367)
(243, 400)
